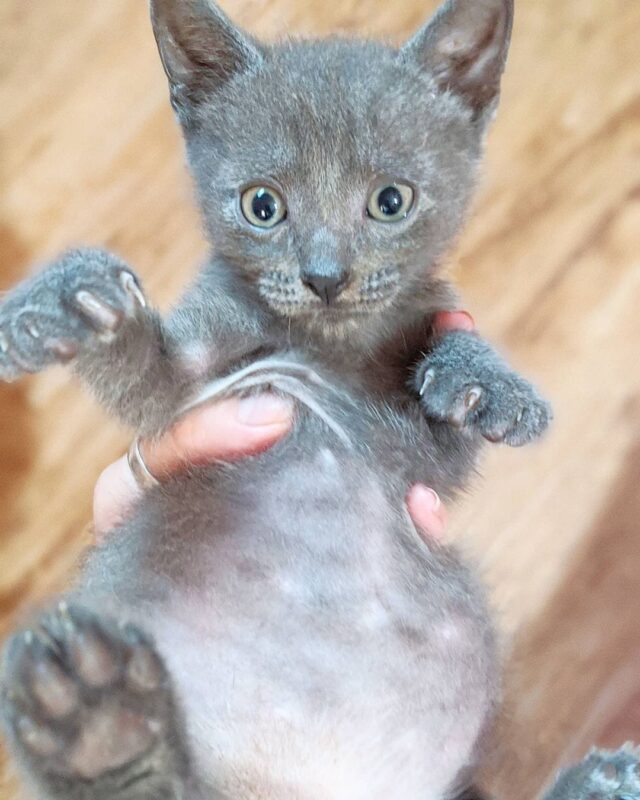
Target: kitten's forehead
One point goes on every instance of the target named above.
(342, 105)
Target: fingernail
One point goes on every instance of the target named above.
(454, 321)
(427, 496)
(469, 320)
(265, 409)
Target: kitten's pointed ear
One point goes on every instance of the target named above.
(464, 47)
(200, 49)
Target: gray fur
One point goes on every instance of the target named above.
(278, 628)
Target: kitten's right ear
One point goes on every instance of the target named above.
(200, 49)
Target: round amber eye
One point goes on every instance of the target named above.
(390, 203)
(263, 206)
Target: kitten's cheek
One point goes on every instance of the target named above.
(427, 512)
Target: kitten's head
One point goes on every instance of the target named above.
(334, 174)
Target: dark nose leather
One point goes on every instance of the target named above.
(327, 285)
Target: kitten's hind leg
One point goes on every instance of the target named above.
(602, 775)
(88, 308)
(89, 710)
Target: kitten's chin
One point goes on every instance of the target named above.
(338, 322)
(318, 313)
(333, 326)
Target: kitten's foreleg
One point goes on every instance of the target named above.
(464, 382)
(88, 308)
(89, 710)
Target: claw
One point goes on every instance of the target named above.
(460, 410)
(101, 314)
(472, 398)
(429, 377)
(32, 330)
(130, 285)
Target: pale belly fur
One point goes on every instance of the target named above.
(319, 654)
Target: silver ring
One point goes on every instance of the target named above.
(141, 472)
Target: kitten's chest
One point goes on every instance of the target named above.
(382, 368)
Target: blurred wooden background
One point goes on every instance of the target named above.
(549, 265)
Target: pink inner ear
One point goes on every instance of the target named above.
(454, 44)
(464, 47)
(200, 47)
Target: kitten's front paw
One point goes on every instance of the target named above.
(602, 775)
(82, 696)
(81, 300)
(465, 383)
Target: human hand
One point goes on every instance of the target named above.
(228, 430)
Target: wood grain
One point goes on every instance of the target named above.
(550, 266)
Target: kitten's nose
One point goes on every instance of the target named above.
(327, 283)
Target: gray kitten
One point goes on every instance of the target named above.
(277, 628)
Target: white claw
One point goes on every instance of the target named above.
(472, 398)
(65, 616)
(32, 330)
(4, 343)
(106, 318)
(429, 375)
(130, 285)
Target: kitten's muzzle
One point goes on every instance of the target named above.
(326, 280)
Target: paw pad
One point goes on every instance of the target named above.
(83, 695)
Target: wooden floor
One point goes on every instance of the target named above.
(549, 265)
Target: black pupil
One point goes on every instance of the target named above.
(264, 205)
(390, 201)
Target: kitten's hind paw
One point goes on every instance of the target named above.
(602, 775)
(83, 698)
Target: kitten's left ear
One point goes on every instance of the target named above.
(464, 47)
(200, 49)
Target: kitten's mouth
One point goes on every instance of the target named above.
(287, 295)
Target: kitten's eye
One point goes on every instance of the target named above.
(263, 207)
(390, 203)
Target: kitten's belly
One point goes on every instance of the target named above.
(316, 656)
(284, 713)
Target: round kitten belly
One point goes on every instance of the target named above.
(346, 709)
(318, 648)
